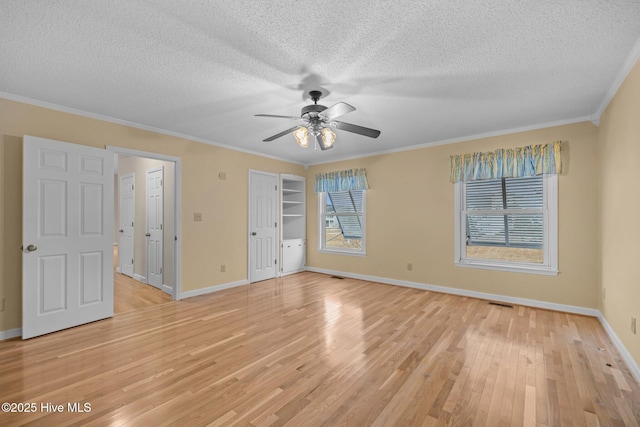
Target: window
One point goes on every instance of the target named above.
(508, 224)
(342, 221)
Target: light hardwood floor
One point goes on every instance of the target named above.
(129, 294)
(311, 350)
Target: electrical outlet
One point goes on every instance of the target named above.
(633, 325)
(410, 267)
(197, 216)
(223, 268)
(222, 175)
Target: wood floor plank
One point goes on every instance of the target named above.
(129, 294)
(312, 350)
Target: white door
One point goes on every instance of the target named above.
(262, 226)
(127, 215)
(67, 229)
(154, 226)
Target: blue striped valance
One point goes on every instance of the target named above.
(353, 179)
(507, 163)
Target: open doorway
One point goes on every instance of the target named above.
(150, 273)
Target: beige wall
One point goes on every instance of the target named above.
(221, 238)
(139, 167)
(410, 219)
(2, 196)
(618, 155)
(11, 217)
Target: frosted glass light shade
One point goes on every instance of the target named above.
(328, 137)
(302, 136)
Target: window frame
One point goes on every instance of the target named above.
(549, 266)
(322, 225)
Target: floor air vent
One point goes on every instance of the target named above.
(500, 304)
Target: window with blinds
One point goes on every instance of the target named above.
(342, 217)
(508, 224)
(505, 212)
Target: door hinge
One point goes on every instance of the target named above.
(131, 261)
(276, 188)
(175, 238)
(160, 270)
(160, 183)
(275, 261)
(160, 226)
(275, 224)
(132, 186)
(132, 223)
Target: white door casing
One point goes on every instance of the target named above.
(263, 198)
(155, 234)
(127, 217)
(67, 257)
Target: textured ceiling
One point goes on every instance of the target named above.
(420, 71)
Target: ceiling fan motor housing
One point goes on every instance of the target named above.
(313, 108)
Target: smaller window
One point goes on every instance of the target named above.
(342, 221)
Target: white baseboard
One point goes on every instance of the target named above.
(167, 289)
(631, 363)
(215, 288)
(288, 273)
(465, 293)
(11, 333)
(118, 270)
(140, 278)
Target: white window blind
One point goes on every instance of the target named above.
(505, 212)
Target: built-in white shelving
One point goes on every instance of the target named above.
(293, 223)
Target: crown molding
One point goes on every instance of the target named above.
(462, 139)
(82, 113)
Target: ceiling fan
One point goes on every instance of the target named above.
(318, 122)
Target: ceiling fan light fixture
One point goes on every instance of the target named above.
(319, 122)
(302, 136)
(328, 138)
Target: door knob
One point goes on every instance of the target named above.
(148, 234)
(121, 231)
(254, 233)
(32, 248)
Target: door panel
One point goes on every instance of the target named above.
(91, 285)
(53, 215)
(262, 226)
(52, 275)
(91, 209)
(155, 234)
(67, 235)
(127, 229)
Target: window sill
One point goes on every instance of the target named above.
(342, 252)
(513, 268)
